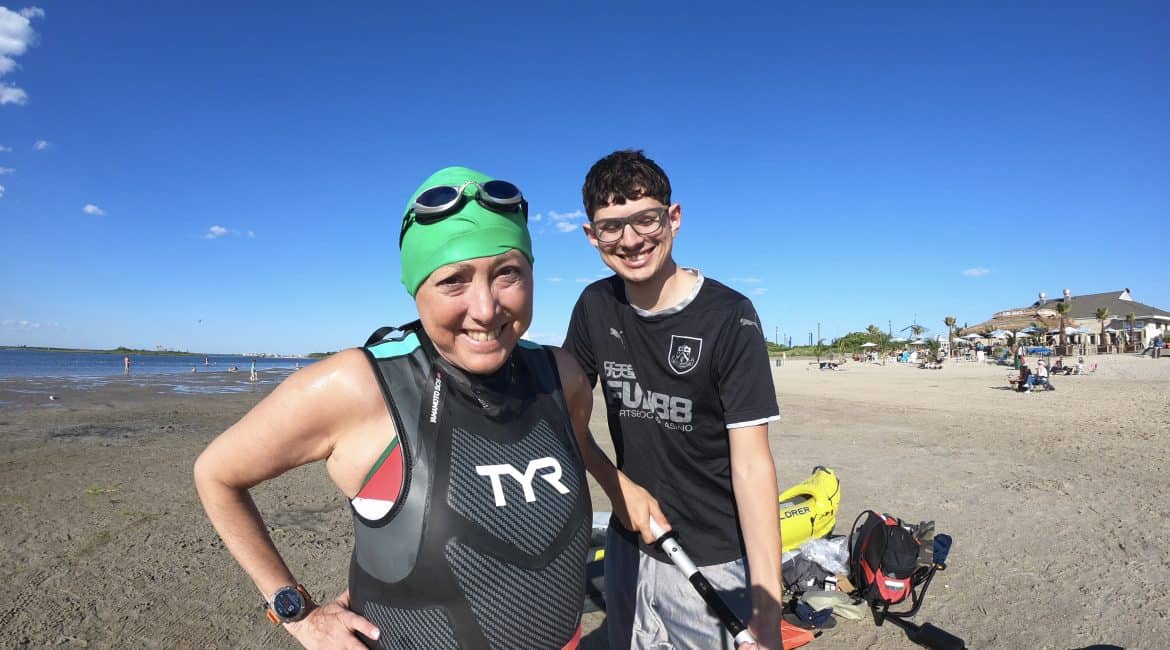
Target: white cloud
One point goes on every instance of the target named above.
(748, 280)
(976, 272)
(217, 231)
(584, 280)
(19, 324)
(759, 291)
(566, 221)
(1, 191)
(94, 210)
(553, 279)
(3, 148)
(6, 170)
(16, 35)
(12, 95)
(41, 145)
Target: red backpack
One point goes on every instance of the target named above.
(883, 558)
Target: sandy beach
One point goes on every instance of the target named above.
(1056, 502)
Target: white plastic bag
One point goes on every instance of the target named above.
(831, 553)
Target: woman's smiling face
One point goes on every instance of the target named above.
(475, 311)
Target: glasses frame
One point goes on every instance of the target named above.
(629, 220)
(428, 214)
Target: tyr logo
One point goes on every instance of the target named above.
(496, 471)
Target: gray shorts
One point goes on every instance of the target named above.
(650, 605)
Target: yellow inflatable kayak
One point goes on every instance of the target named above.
(809, 509)
(806, 510)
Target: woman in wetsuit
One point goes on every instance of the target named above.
(459, 447)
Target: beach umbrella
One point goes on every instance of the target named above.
(998, 334)
(972, 336)
(897, 339)
(869, 345)
(918, 342)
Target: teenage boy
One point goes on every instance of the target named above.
(689, 396)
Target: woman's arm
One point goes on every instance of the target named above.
(300, 422)
(632, 504)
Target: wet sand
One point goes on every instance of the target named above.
(1056, 502)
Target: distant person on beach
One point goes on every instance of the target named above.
(126, 364)
(1041, 375)
(1156, 353)
(689, 396)
(254, 375)
(457, 444)
(1025, 381)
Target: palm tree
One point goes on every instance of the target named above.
(950, 321)
(1102, 315)
(917, 330)
(1062, 309)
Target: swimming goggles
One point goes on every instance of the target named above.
(439, 202)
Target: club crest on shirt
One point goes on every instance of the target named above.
(684, 353)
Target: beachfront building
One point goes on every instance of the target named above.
(1128, 325)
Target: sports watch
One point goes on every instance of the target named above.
(289, 604)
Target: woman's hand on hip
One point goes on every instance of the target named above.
(333, 625)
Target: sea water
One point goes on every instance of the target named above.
(40, 363)
(33, 372)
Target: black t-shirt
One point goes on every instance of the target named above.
(674, 382)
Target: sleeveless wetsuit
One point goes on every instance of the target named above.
(472, 529)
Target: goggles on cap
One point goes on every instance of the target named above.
(439, 202)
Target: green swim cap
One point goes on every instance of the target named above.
(474, 231)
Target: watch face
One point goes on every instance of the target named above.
(288, 603)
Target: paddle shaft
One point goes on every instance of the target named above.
(669, 545)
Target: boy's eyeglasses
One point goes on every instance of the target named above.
(646, 222)
(439, 202)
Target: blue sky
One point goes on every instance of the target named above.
(246, 165)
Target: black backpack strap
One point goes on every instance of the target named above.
(380, 334)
